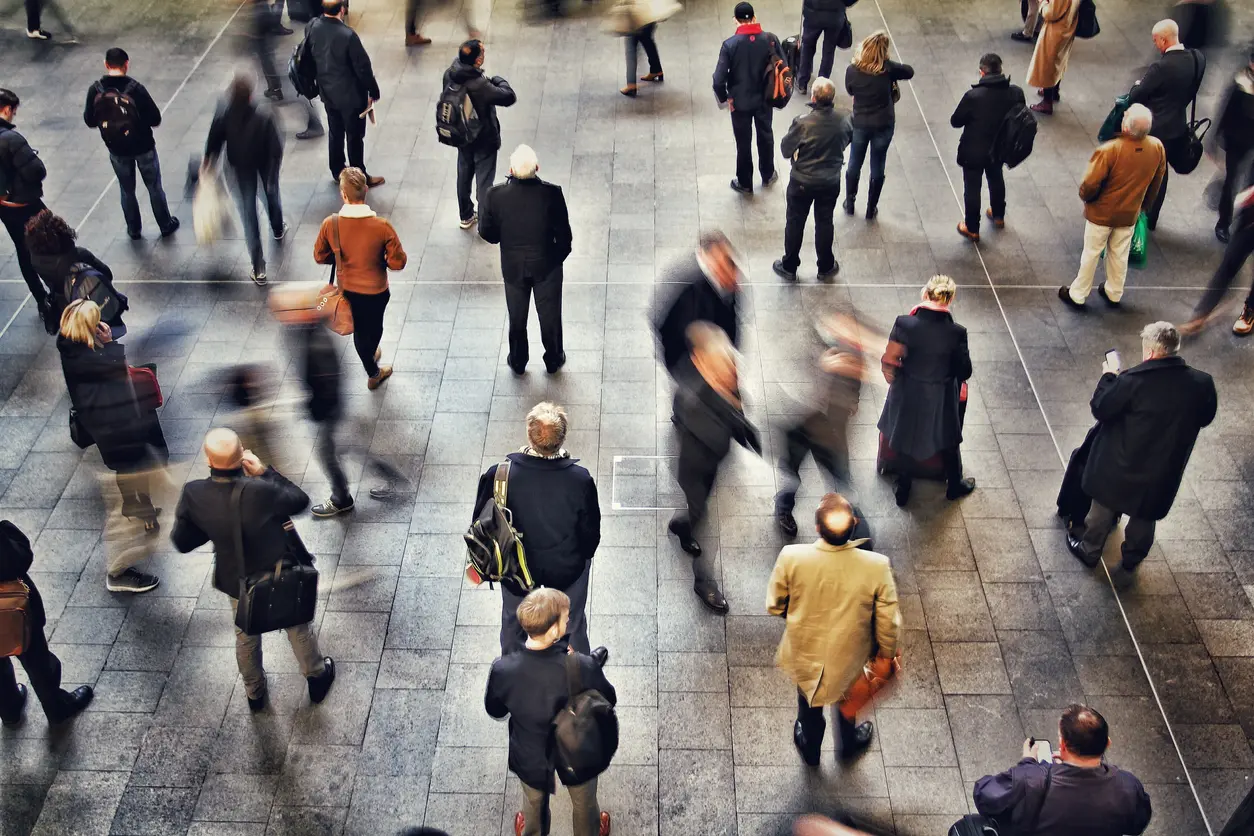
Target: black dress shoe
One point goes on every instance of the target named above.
(79, 699)
(829, 276)
(600, 655)
(553, 369)
(901, 493)
(783, 272)
(16, 719)
(711, 596)
(963, 488)
(1221, 232)
(1077, 548)
(736, 187)
(320, 685)
(1064, 293)
(1101, 291)
(686, 541)
(1021, 38)
(787, 523)
(799, 740)
(258, 702)
(855, 743)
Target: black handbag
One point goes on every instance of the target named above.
(79, 434)
(275, 599)
(844, 38)
(977, 825)
(1191, 153)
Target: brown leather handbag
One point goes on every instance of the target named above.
(15, 617)
(331, 302)
(876, 673)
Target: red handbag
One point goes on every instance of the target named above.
(147, 390)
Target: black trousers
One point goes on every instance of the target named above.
(799, 199)
(328, 456)
(744, 125)
(809, 45)
(1175, 148)
(1054, 94)
(548, 293)
(14, 219)
(44, 671)
(367, 311)
(798, 443)
(696, 470)
(813, 724)
(1238, 251)
(972, 183)
(477, 167)
(345, 129)
(1239, 162)
(951, 459)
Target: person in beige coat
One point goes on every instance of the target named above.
(1053, 50)
(840, 605)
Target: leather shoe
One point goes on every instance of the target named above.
(258, 702)
(1101, 291)
(787, 523)
(319, 686)
(1064, 293)
(604, 829)
(799, 740)
(686, 541)
(79, 699)
(736, 187)
(783, 272)
(600, 655)
(16, 720)
(374, 181)
(1077, 548)
(964, 487)
(711, 596)
(855, 742)
(519, 823)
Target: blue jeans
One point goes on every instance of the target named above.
(878, 139)
(246, 183)
(150, 170)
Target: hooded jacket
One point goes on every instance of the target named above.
(816, 144)
(980, 115)
(485, 94)
(21, 171)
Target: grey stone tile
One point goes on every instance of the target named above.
(400, 737)
(150, 811)
(987, 733)
(970, 668)
(178, 758)
(80, 802)
(236, 798)
(317, 776)
(385, 805)
(462, 814)
(697, 793)
(916, 789)
(310, 821)
(915, 737)
(338, 720)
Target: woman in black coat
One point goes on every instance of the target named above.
(926, 364)
(54, 253)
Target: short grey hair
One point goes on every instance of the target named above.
(1167, 28)
(523, 163)
(1160, 338)
(823, 90)
(1137, 121)
(546, 428)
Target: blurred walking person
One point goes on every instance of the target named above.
(1238, 251)
(872, 79)
(413, 9)
(1053, 50)
(1234, 132)
(34, 21)
(637, 21)
(22, 176)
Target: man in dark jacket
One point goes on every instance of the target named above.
(1148, 419)
(346, 85)
(1234, 131)
(43, 669)
(528, 218)
(553, 502)
(21, 192)
(740, 83)
(820, 17)
(254, 152)
(126, 114)
(980, 115)
(531, 687)
(476, 161)
(1076, 793)
(816, 145)
(1167, 88)
(709, 292)
(243, 494)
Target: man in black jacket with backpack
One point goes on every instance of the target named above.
(21, 192)
(740, 84)
(980, 115)
(476, 154)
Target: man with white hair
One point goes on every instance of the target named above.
(1167, 88)
(528, 218)
(1122, 180)
(1148, 420)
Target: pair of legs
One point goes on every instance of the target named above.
(43, 669)
(477, 166)
(246, 183)
(1240, 162)
(798, 443)
(642, 38)
(744, 125)
(875, 140)
(14, 219)
(799, 199)
(34, 11)
(548, 293)
(1116, 241)
(345, 130)
(1033, 16)
(248, 656)
(368, 310)
(972, 183)
(412, 9)
(1239, 248)
(1138, 536)
(1175, 148)
(811, 726)
(512, 636)
(809, 44)
(586, 813)
(150, 171)
(697, 470)
(329, 458)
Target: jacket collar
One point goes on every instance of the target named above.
(1157, 363)
(824, 546)
(749, 29)
(820, 106)
(8, 126)
(993, 80)
(524, 460)
(356, 210)
(222, 473)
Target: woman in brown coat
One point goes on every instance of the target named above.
(1053, 50)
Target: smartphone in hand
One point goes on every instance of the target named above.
(1114, 363)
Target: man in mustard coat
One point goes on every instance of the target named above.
(840, 605)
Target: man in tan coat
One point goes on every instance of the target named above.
(840, 605)
(1123, 177)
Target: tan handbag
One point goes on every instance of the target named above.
(15, 618)
(331, 302)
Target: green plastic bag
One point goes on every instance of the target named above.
(1140, 242)
(1114, 120)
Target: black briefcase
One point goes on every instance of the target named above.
(277, 598)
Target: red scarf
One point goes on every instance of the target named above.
(749, 29)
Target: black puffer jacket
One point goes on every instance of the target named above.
(980, 114)
(21, 171)
(816, 145)
(486, 94)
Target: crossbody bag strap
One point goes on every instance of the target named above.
(500, 485)
(1197, 86)
(335, 245)
(237, 520)
(1040, 805)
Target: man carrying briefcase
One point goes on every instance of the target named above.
(256, 515)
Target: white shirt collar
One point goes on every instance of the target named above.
(1173, 48)
(356, 210)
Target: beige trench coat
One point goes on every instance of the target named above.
(840, 606)
(1053, 47)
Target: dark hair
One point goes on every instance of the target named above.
(240, 91)
(332, 7)
(713, 238)
(990, 62)
(8, 98)
(1084, 730)
(49, 234)
(744, 11)
(469, 52)
(116, 58)
(835, 519)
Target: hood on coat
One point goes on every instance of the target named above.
(460, 73)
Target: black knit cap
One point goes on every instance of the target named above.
(469, 52)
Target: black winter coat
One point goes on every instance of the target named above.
(824, 13)
(251, 136)
(1234, 128)
(345, 77)
(555, 507)
(1167, 88)
(22, 173)
(816, 144)
(314, 350)
(740, 75)
(980, 115)
(528, 219)
(696, 301)
(55, 270)
(873, 94)
(486, 94)
(1099, 801)
(204, 514)
(1150, 416)
(16, 559)
(140, 140)
(921, 413)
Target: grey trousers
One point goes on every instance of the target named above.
(512, 636)
(1033, 16)
(248, 655)
(1138, 535)
(586, 814)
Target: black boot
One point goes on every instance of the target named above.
(853, 738)
(851, 191)
(320, 685)
(873, 197)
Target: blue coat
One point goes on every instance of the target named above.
(1102, 801)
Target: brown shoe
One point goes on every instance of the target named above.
(966, 233)
(1245, 323)
(629, 91)
(372, 182)
(519, 823)
(605, 824)
(655, 77)
(375, 382)
(1193, 327)
(417, 39)
(1046, 108)
(1000, 223)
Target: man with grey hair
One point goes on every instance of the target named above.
(815, 144)
(528, 218)
(1148, 418)
(1122, 180)
(553, 504)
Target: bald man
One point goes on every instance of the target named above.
(241, 492)
(824, 591)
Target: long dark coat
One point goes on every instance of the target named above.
(921, 413)
(1150, 416)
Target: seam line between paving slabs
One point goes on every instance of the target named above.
(113, 180)
(1049, 428)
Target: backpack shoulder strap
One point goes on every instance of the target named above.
(500, 484)
(237, 522)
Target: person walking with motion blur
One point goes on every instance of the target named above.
(872, 80)
(22, 176)
(637, 20)
(1238, 251)
(1234, 131)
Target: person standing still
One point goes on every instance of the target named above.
(346, 85)
(980, 115)
(1031, 17)
(121, 108)
(22, 176)
(828, 19)
(476, 161)
(1053, 51)
(739, 85)
(872, 81)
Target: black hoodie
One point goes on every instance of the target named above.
(485, 94)
(980, 114)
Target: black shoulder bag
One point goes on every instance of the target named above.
(279, 598)
(1191, 155)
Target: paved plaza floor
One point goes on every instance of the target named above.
(1003, 626)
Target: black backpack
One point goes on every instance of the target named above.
(86, 282)
(1086, 20)
(585, 731)
(493, 548)
(1015, 136)
(115, 112)
(301, 70)
(457, 123)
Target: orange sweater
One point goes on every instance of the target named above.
(369, 247)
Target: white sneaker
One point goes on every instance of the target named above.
(38, 35)
(469, 222)
(259, 278)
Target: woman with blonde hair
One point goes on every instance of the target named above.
(871, 79)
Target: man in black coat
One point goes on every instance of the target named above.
(22, 176)
(709, 292)
(820, 17)
(476, 162)
(816, 145)
(980, 115)
(346, 85)
(554, 506)
(1234, 132)
(528, 218)
(1148, 419)
(740, 83)
(244, 498)
(43, 669)
(1167, 88)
